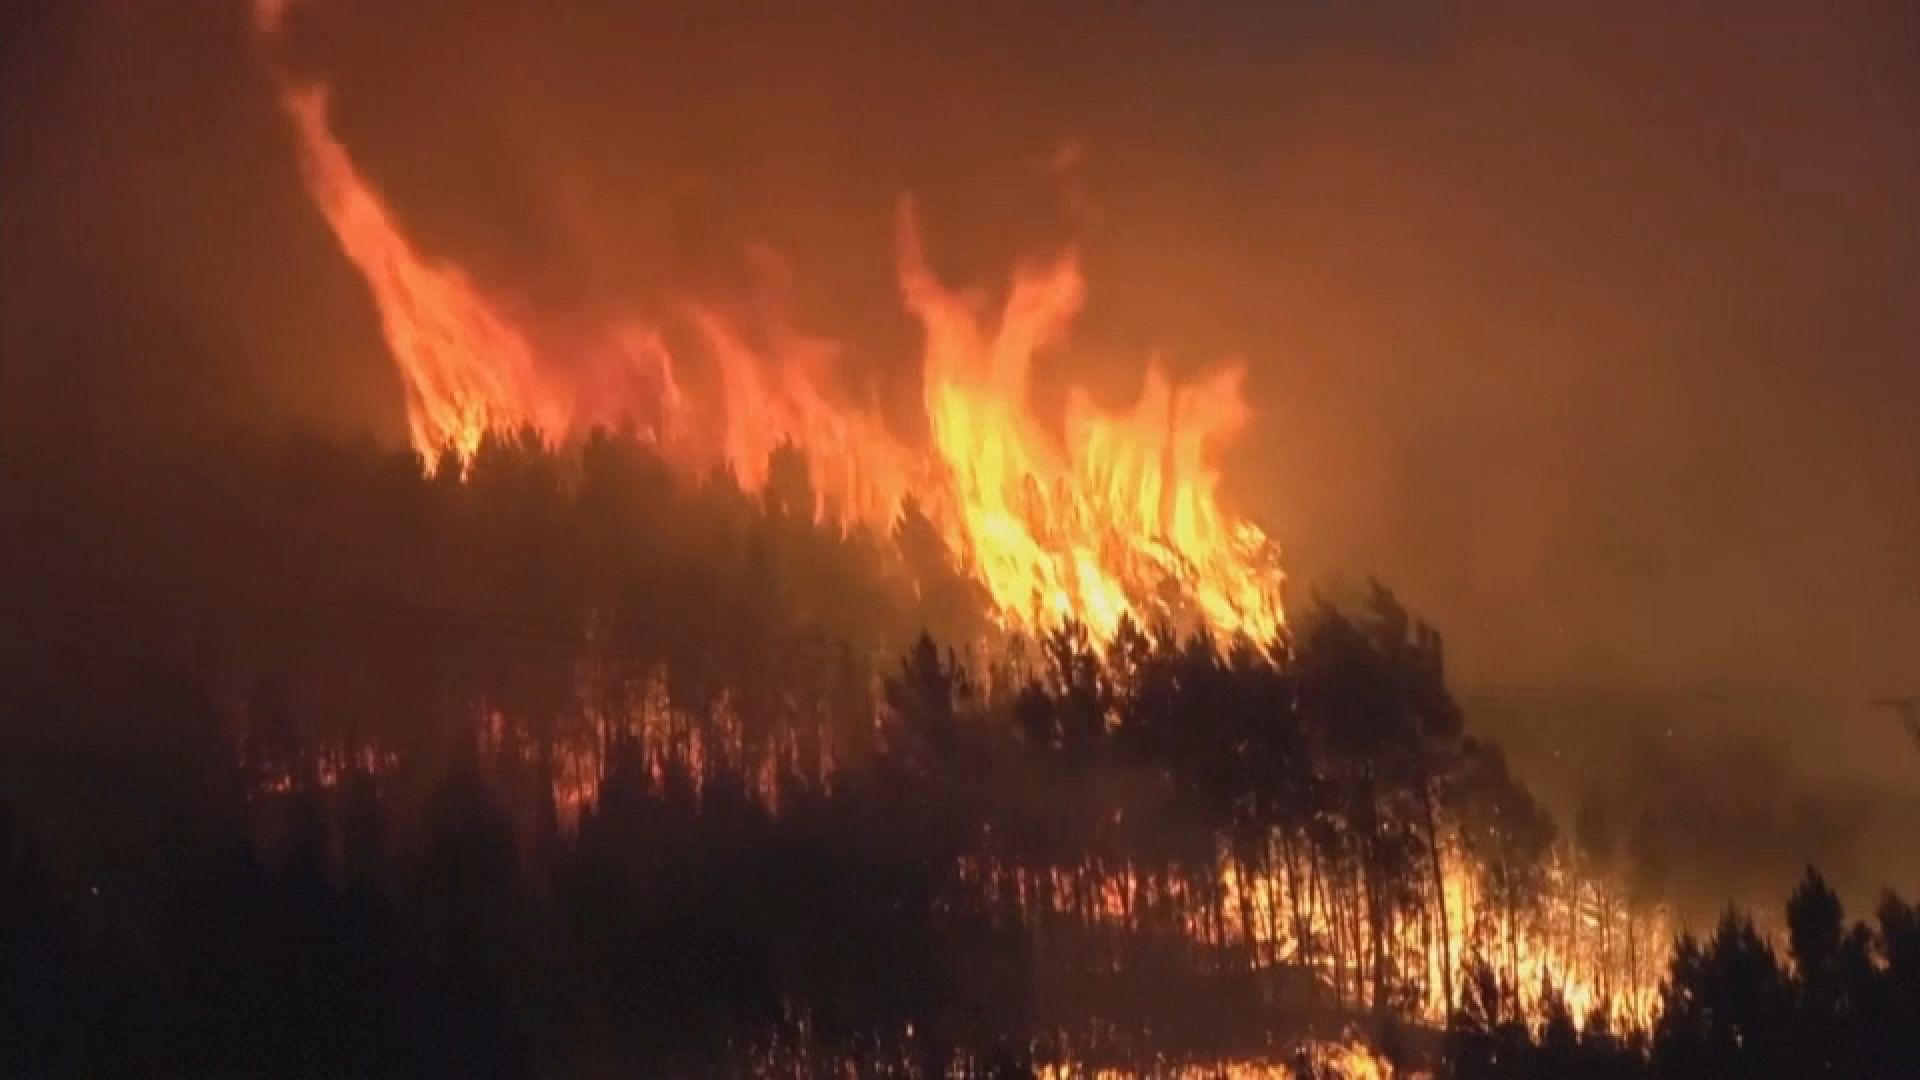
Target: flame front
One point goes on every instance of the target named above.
(465, 368)
(1119, 515)
(1131, 504)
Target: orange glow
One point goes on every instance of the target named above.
(1120, 516)
(1092, 530)
(465, 368)
(1329, 1060)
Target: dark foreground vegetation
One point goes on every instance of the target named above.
(1843, 1001)
(312, 763)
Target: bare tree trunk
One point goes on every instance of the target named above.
(1606, 937)
(1272, 918)
(1513, 933)
(1302, 929)
(1440, 896)
(1335, 923)
(1377, 938)
(1218, 905)
(1245, 881)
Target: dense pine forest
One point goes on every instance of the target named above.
(320, 761)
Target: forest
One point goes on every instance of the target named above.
(323, 760)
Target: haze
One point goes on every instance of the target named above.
(1596, 336)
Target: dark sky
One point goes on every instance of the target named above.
(1596, 335)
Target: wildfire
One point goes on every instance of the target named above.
(1120, 516)
(1326, 1060)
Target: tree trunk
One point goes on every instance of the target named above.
(1440, 896)
(1302, 929)
(1245, 882)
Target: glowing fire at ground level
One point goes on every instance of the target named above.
(1117, 517)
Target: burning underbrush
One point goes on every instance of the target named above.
(1103, 515)
(663, 709)
(692, 755)
(556, 763)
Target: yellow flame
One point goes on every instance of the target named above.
(1323, 1060)
(1094, 526)
(434, 322)
(1091, 529)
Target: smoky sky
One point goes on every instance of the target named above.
(1595, 334)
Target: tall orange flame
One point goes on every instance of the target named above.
(466, 369)
(1093, 530)
(1120, 518)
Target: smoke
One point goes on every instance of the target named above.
(1593, 334)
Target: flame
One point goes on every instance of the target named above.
(466, 369)
(1132, 501)
(1117, 516)
(1326, 1060)
(860, 471)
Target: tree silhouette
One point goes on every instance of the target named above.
(554, 761)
